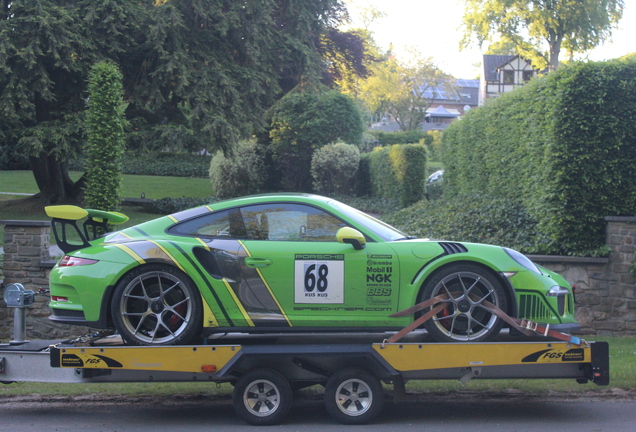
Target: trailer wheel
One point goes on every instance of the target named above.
(262, 397)
(353, 396)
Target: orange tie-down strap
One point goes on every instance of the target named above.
(524, 326)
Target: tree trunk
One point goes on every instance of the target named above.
(555, 49)
(53, 180)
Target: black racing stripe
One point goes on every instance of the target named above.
(141, 232)
(424, 266)
(205, 279)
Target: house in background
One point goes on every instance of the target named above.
(502, 74)
(447, 106)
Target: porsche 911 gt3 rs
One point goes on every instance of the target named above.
(286, 263)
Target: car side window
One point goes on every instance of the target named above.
(225, 223)
(289, 222)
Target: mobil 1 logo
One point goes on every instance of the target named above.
(319, 278)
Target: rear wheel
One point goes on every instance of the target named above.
(157, 305)
(465, 318)
(262, 397)
(353, 396)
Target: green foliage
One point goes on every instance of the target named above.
(562, 145)
(433, 143)
(304, 122)
(403, 137)
(362, 180)
(576, 26)
(158, 164)
(333, 167)
(165, 206)
(240, 173)
(105, 137)
(474, 218)
(399, 171)
(401, 89)
(198, 74)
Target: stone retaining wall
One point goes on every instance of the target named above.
(27, 261)
(606, 291)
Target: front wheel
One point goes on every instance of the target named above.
(157, 305)
(262, 397)
(353, 396)
(465, 318)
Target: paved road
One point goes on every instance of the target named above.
(443, 414)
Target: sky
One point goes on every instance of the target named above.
(432, 27)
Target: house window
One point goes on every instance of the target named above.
(527, 75)
(509, 77)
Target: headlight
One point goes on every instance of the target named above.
(522, 260)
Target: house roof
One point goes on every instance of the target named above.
(440, 111)
(492, 63)
(467, 93)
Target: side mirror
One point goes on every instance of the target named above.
(351, 236)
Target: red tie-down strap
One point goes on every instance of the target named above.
(524, 326)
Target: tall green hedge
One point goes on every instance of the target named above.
(399, 171)
(105, 137)
(564, 145)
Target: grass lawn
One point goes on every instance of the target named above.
(132, 185)
(19, 207)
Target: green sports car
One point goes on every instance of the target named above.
(286, 263)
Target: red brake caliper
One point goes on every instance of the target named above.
(175, 320)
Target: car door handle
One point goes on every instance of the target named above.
(258, 262)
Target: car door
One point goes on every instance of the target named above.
(313, 279)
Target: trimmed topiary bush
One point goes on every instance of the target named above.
(333, 167)
(105, 137)
(240, 173)
(399, 172)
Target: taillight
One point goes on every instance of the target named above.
(69, 261)
(59, 299)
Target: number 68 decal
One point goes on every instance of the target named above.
(319, 281)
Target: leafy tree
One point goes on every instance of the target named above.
(196, 73)
(400, 89)
(302, 123)
(105, 137)
(574, 25)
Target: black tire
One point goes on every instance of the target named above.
(157, 305)
(262, 397)
(353, 396)
(465, 319)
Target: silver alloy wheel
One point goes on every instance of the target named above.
(354, 397)
(465, 318)
(261, 398)
(156, 307)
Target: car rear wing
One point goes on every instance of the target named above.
(69, 236)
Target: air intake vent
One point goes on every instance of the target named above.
(453, 248)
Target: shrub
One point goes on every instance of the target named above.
(362, 179)
(167, 206)
(299, 124)
(399, 171)
(402, 137)
(240, 173)
(433, 143)
(105, 137)
(333, 167)
(563, 145)
(159, 164)
(474, 218)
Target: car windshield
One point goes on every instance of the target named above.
(385, 231)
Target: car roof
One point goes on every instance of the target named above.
(271, 197)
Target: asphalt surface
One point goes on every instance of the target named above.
(440, 413)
